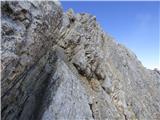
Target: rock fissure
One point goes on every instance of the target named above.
(90, 105)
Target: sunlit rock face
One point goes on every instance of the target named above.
(63, 66)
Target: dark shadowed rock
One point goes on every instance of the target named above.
(29, 31)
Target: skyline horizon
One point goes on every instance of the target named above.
(139, 19)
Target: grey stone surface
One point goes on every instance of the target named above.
(63, 66)
(112, 70)
(29, 31)
(68, 96)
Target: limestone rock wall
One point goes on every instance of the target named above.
(111, 70)
(29, 30)
(63, 66)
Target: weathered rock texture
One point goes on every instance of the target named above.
(29, 31)
(63, 66)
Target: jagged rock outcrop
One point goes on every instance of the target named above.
(63, 66)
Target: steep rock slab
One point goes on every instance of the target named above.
(68, 99)
(29, 30)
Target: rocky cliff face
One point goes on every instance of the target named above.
(63, 66)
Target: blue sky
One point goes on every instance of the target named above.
(134, 24)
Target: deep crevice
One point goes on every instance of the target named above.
(91, 108)
(125, 117)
